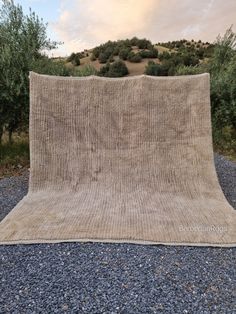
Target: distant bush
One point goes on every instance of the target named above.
(164, 55)
(134, 41)
(102, 57)
(134, 57)
(115, 69)
(116, 51)
(153, 53)
(120, 47)
(85, 71)
(74, 58)
(200, 53)
(104, 70)
(96, 52)
(155, 69)
(44, 65)
(93, 58)
(71, 57)
(189, 59)
(111, 58)
(144, 43)
(123, 54)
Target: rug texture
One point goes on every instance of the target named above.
(121, 160)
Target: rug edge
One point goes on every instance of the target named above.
(124, 241)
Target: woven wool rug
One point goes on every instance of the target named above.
(121, 160)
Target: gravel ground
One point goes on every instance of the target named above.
(116, 278)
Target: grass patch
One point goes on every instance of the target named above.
(14, 158)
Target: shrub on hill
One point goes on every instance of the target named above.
(144, 43)
(74, 58)
(93, 58)
(153, 53)
(84, 71)
(71, 57)
(155, 69)
(123, 54)
(200, 53)
(134, 41)
(116, 69)
(188, 59)
(111, 58)
(102, 57)
(134, 57)
(164, 55)
(121, 48)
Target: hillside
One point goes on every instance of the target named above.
(137, 54)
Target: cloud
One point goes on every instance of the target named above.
(85, 24)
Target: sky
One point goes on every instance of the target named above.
(84, 24)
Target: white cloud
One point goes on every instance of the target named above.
(85, 24)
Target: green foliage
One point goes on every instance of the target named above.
(116, 69)
(188, 59)
(111, 58)
(71, 57)
(152, 53)
(154, 69)
(93, 58)
(209, 50)
(134, 57)
(74, 58)
(164, 55)
(123, 54)
(85, 71)
(222, 67)
(102, 57)
(223, 87)
(134, 41)
(167, 67)
(44, 65)
(184, 57)
(190, 70)
(200, 53)
(144, 44)
(22, 40)
(120, 47)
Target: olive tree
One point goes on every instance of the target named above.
(23, 40)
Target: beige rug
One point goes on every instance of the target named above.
(121, 160)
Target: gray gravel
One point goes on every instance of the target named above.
(116, 278)
(12, 190)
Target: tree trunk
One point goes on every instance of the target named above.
(1, 134)
(10, 136)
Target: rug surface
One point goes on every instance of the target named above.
(121, 160)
